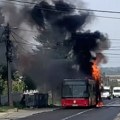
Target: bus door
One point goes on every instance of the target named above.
(92, 93)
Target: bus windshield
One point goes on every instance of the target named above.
(74, 90)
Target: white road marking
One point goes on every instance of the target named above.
(74, 115)
(113, 103)
(66, 118)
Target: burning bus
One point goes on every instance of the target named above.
(63, 30)
(82, 92)
(78, 92)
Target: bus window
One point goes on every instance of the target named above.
(74, 91)
(67, 91)
(92, 90)
(79, 91)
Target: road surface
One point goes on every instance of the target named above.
(108, 112)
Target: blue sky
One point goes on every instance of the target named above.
(109, 26)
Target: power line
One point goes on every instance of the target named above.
(35, 44)
(117, 47)
(21, 42)
(92, 10)
(111, 48)
(115, 40)
(28, 30)
(25, 43)
(16, 2)
(24, 2)
(23, 29)
(81, 9)
(111, 54)
(114, 56)
(108, 17)
(17, 41)
(19, 36)
(108, 54)
(11, 3)
(24, 40)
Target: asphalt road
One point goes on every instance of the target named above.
(108, 112)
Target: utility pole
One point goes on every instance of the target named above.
(9, 60)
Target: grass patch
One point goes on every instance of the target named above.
(5, 108)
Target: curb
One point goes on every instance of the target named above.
(10, 111)
(21, 115)
(46, 111)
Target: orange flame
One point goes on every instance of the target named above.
(96, 73)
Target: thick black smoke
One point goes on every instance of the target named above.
(61, 29)
(44, 11)
(85, 45)
(72, 23)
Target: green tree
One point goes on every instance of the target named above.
(2, 85)
(18, 86)
(3, 72)
(18, 83)
(3, 78)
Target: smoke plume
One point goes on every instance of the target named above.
(61, 30)
(17, 15)
(63, 17)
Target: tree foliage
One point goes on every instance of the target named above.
(2, 85)
(19, 82)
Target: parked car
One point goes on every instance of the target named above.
(116, 92)
(106, 92)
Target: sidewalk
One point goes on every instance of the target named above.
(118, 117)
(15, 114)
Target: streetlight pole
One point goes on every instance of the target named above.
(9, 60)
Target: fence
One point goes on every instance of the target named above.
(36, 100)
(28, 100)
(16, 98)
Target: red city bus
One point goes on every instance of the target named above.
(78, 92)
